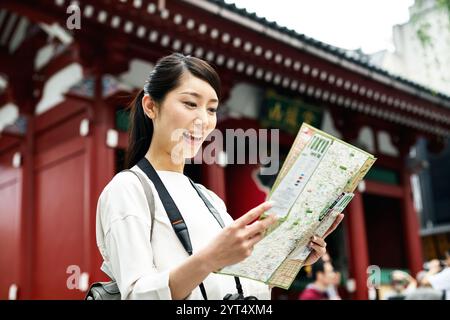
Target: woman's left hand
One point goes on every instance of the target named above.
(318, 245)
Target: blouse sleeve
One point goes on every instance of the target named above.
(125, 243)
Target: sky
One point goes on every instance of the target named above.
(349, 24)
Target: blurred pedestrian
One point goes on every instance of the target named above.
(438, 275)
(322, 274)
(401, 284)
(332, 289)
(423, 291)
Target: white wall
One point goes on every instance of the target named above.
(137, 74)
(428, 65)
(8, 115)
(328, 125)
(244, 101)
(57, 85)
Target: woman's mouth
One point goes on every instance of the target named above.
(192, 138)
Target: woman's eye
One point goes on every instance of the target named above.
(190, 104)
(212, 110)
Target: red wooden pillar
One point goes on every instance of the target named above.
(411, 227)
(213, 175)
(100, 167)
(214, 179)
(27, 212)
(349, 126)
(11, 217)
(359, 256)
(410, 220)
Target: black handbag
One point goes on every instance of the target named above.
(110, 290)
(103, 291)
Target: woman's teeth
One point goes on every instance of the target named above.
(191, 137)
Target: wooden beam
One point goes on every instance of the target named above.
(383, 189)
(64, 111)
(29, 9)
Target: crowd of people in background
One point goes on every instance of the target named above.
(432, 283)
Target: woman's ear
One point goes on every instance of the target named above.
(149, 106)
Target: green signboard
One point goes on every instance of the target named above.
(383, 175)
(288, 114)
(122, 120)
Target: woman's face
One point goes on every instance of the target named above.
(185, 118)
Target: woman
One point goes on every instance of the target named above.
(181, 95)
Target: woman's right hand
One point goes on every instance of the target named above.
(236, 241)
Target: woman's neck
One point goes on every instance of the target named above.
(161, 160)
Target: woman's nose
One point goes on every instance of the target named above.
(199, 124)
(202, 118)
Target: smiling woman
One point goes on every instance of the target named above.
(172, 251)
(181, 94)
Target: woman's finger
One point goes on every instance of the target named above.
(255, 239)
(260, 226)
(320, 251)
(319, 241)
(336, 222)
(253, 214)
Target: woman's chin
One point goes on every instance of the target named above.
(190, 152)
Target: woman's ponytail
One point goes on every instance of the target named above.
(141, 131)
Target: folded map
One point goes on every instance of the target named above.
(314, 185)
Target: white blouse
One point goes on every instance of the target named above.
(140, 267)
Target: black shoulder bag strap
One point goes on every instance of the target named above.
(175, 217)
(216, 215)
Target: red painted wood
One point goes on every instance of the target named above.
(59, 239)
(31, 12)
(411, 228)
(358, 248)
(123, 140)
(64, 111)
(59, 152)
(7, 175)
(59, 133)
(8, 142)
(10, 224)
(213, 177)
(101, 162)
(383, 189)
(242, 189)
(304, 57)
(177, 31)
(27, 213)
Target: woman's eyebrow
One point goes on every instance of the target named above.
(195, 94)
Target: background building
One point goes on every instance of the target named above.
(64, 93)
(422, 47)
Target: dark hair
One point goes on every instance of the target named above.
(164, 77)
(318, 266)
